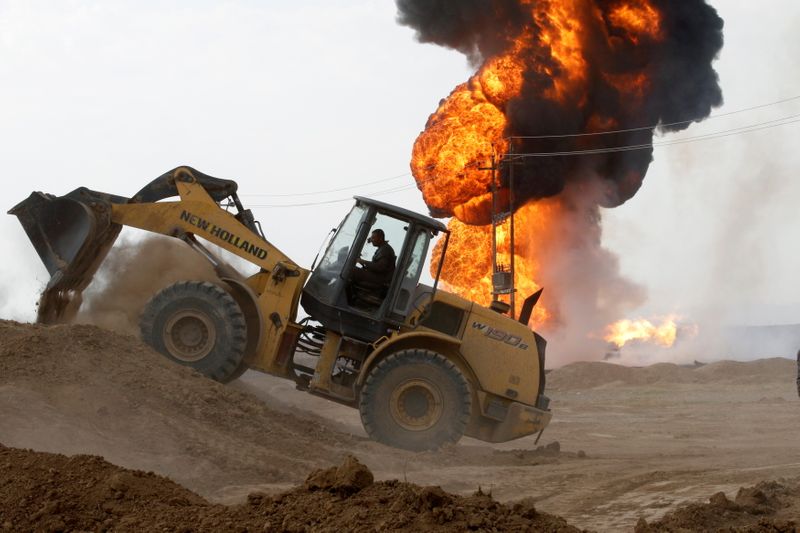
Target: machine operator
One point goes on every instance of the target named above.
(380, 270)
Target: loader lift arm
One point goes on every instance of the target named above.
(165, 186)
(73, 233)
(198, 213)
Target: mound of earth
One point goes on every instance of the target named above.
(49, 492)
(80, 389)
(758, 371)
(587, 375)
(767, 507)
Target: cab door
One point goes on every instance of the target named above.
(408, 272)
(326, 296)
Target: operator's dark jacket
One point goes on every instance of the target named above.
(381, 268)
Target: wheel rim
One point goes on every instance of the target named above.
(416, 404)
(189, 336)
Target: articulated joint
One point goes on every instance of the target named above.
(281, 271)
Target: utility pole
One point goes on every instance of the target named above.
(503, 281)
(512, 243)
(493, 168)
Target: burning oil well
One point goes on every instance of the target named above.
(565, 98)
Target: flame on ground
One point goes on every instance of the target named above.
(624, 331)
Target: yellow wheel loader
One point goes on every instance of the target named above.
(422, 366)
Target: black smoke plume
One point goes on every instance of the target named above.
(683, 87)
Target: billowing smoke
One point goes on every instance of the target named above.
(566, 97)
(133, 272)
(477, 28)
(586, 67)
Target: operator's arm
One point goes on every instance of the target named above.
(382, 262)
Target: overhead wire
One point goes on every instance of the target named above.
(660, 125)
(339, 200)
(328, 191)
(528, 137)
(782, 121)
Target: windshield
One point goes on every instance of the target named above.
(323, 282)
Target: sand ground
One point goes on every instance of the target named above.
(633, 442)
(649, 447)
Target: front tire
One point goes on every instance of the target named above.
(197, 324)
(415, 400)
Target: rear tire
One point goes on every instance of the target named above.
(415, 400)
(197, 324)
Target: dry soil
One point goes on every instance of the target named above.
(628, 448)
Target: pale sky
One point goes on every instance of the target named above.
(295, 97)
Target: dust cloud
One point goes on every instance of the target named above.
(587, 291)
(134, 271)
(740, 253)
(718, 253)
(743, 260)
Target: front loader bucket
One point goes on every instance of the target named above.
(72, 235)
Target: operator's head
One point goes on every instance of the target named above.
(377, 237)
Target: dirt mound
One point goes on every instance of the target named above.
(595, 374)
(759, 371)
(81, 389)
(768, 507)
(587, 375)
(47, 492)
(78, 389)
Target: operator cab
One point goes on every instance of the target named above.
(339, 298)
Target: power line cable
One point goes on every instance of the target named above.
(328, 191)
(530, 137)
(340, 200)
(783, 121)
(666, 125)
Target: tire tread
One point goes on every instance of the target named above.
(219, 298)
(395, 360)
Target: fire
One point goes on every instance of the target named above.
(462, 134)
(561, 34)
(552, 75)
(624, 331)
(637, 20)
(468, 269)
(468, 132)
(469, 127)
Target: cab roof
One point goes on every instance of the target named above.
(403, 213)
